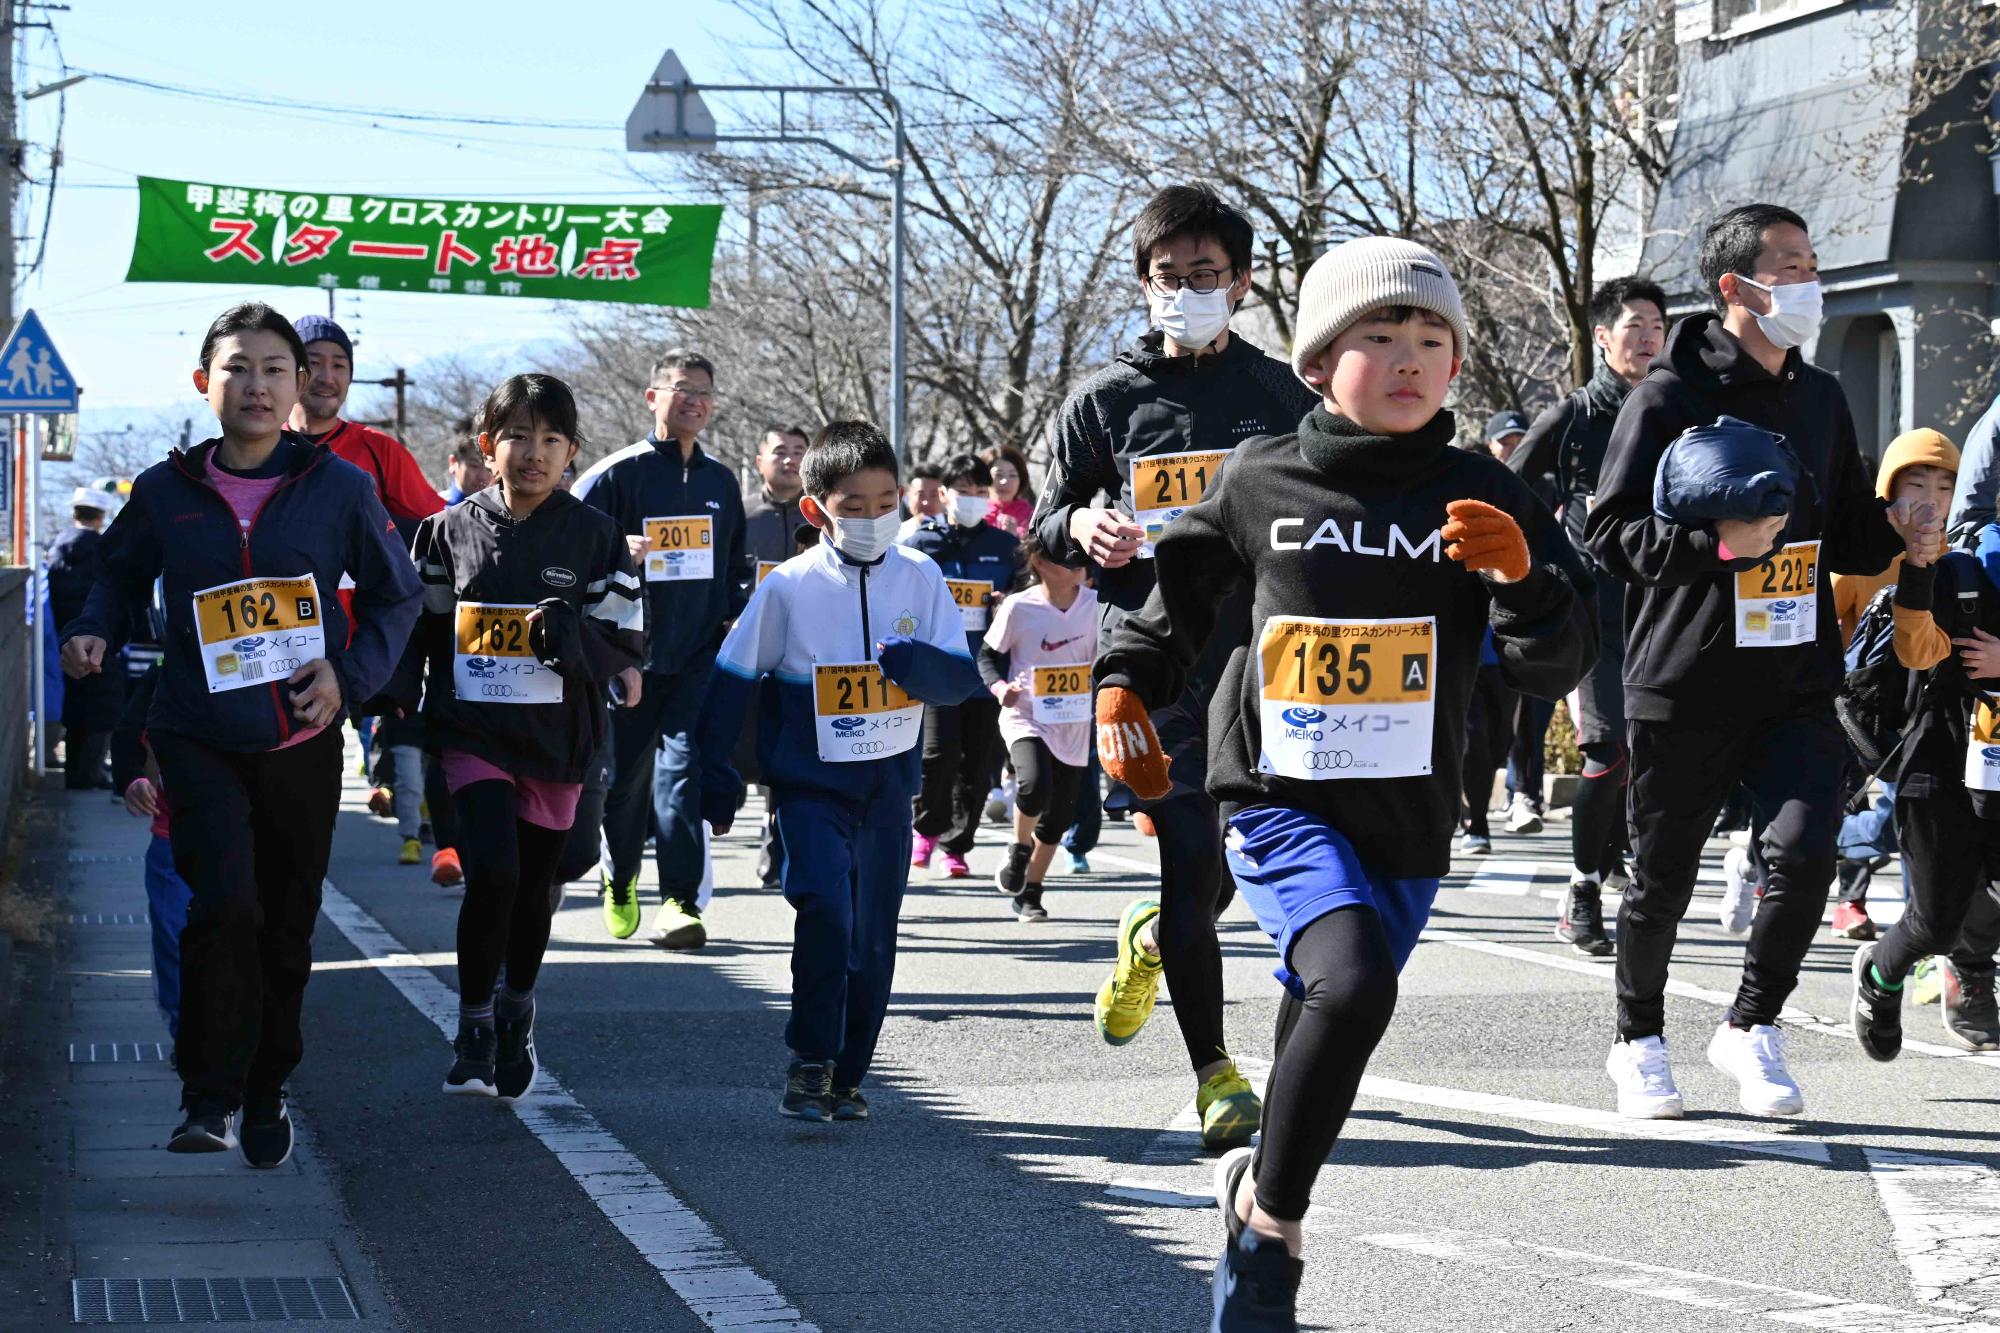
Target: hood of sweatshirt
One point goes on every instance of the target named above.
(1708, 356)
(1148, 355)
(1913, 449)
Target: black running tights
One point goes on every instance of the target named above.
(1323, 1044)
(1191, 876)
(509, 863)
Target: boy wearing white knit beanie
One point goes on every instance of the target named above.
(1376, 556)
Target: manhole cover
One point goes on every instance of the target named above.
(185, 1300)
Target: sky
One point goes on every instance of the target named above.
(131, 346)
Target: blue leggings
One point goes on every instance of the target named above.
(167, 897)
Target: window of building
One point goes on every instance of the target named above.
(1733, 16)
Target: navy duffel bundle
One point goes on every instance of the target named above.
(1731, 470)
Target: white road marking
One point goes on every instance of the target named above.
(1946, 1216)
(1602, 970)
(1677, 1285)
(1512, 878)
(1608, 1122)
(1125, 862)
(722, 1290)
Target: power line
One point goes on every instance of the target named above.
(268, 102)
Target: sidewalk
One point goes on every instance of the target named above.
(154, 1236)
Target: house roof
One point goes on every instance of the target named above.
(1832, 154)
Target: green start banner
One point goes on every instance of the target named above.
(647, 254)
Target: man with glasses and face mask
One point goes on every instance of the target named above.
(1563, 455)
(1151, 433)
(1733, 655)
(682, 513)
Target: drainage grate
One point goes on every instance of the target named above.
(102, 859)
(107, 918)
(117, 1052)
(194, 1300)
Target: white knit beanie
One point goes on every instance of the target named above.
(1358, 276)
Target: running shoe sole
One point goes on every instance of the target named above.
(1229, 1169)
(1790, 1105)
(200, 1140)
(472, 1087)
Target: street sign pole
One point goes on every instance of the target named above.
(670, 117)
(37, 705)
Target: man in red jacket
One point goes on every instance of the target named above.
(399, 479)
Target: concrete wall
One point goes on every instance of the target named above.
(16, 666)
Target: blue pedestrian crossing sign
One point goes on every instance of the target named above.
(33, 377)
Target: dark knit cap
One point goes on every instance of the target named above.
(319, 329)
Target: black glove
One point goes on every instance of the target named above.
(556, 638)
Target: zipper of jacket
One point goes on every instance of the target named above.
(277, 697)
(867, 634)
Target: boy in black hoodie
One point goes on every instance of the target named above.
(1375, 555)
(1717, 690)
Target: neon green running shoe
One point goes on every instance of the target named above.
(1229, 1110)
(621, 908)
(1926, 982)
(1125, 1000)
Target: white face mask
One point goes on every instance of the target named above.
(1195, 319)
(863, 539)
(1795, 311)
(969, 510)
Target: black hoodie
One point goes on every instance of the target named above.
(1331, 523)
(1681, 658)
(1564, 449)
(477, 551)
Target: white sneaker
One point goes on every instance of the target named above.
(1644, 1079)
(1739, 892)
(1756, 1060)
(1521, 816)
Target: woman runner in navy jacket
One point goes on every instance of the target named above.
(249, 534)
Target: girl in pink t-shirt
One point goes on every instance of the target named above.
(1036, 661)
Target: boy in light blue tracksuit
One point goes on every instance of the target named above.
(858, 635)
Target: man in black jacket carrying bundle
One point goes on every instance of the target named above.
(1721, 686)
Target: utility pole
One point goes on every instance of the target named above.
(10, 157)
(400, 382)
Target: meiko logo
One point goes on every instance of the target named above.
(1286, 536)
(1302, 723)
(847, 726)
(558, 577)
(1783, 608)
(1991, 754)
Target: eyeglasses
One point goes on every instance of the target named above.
(693, 395)
(1202, 280)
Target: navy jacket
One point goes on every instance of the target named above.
(323, 519)
(684, 618)
(981, 553)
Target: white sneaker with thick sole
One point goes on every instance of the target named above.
(1755, 1058)
(1521, 816)
(1739, 892)
(1644, 1079)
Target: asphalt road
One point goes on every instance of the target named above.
(1020, 1174)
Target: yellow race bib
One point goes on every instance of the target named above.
(1777, 603)
(680, 548)
(972, 597)
(1346, 698)
(492, 662)
(858, 713)
(258, 630)
(1166, 485)
(1061, 693)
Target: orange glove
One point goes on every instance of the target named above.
(1127, 745)
(1481, 537)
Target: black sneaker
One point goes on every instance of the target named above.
(1012, 876)
(1229, 1169)
(849, 1104)
(1256, 1286)
(472, 1072)
(1582, 922)
(1028, 904)
(808, 1091)
(514, 1063)
(266, 1131)
(1971, 1019)
(1876, 1013)
(206, 1128)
